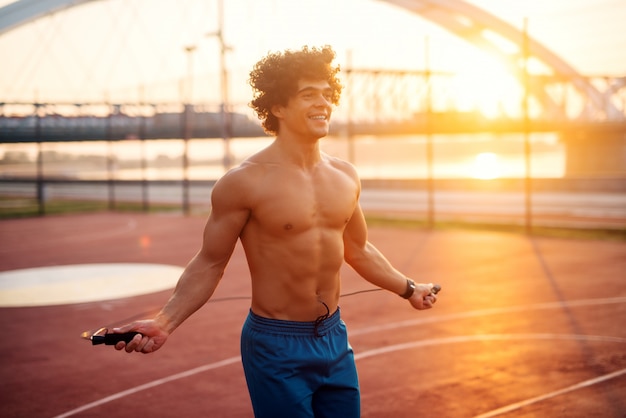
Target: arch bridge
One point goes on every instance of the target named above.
(601, 98)
(594, 108)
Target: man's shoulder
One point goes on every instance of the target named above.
(342, 165)
(235, 188)
(241, 175)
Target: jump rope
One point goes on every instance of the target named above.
(100, 336)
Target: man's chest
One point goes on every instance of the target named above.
(300, 203)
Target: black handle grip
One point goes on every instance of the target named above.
(112, 339)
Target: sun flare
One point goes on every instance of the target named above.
(485, 86)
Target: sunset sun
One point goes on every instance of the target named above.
(486, 166)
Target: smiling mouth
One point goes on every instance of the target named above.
(318, 117)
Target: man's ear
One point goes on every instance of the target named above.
(277, 110)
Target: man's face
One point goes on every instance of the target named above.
(308, 112)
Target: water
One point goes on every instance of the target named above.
(393, 157)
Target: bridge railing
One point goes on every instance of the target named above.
(376, 103)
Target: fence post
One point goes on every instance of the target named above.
(41, 198)
(110, 157)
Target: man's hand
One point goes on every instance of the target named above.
(423, 297)
(151, 337)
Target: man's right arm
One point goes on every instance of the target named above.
(202, 274)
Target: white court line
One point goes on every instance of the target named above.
(389, 349)
(486, 312)
(152, 384)
(530, 401)
(484, 337)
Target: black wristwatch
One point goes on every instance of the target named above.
(410, 289)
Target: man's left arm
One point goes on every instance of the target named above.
(374, 267)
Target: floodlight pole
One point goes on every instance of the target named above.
(187, 128)
(527, 146)
(349, 133)
(224, 108)
(429, 138)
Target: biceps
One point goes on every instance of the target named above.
(220, 235)
(355, 236)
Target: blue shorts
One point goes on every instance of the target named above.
(297, 369)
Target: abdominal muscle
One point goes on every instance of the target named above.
(295, 278)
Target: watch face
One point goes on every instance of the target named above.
(413, 287)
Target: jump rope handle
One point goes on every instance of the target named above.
(112, 339)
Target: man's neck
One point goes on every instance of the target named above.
(300, 153)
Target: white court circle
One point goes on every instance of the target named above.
(80, 283)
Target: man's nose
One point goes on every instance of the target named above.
(321, 100)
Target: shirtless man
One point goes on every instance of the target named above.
(296, 211)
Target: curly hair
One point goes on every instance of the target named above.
(274, 79)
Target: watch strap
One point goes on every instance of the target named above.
(410, 289)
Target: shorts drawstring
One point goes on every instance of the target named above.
(321, 319)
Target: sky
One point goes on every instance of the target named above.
(135, 49)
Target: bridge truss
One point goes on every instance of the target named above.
(384, 95)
